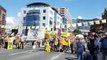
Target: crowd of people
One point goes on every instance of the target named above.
(86, 48)
(16, 41)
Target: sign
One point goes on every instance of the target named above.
(10, 45)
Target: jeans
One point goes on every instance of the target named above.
(79, 56)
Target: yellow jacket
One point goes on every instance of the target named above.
(56, 41)
(65, 42)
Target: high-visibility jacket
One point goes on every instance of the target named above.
(65, 42)
(56, 42)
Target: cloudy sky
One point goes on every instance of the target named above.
(12, 21)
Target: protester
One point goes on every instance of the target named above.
(18, 41)
(104, 46)
(87, 56)
(65, 44)
(47, 46)
(5, 40)
(23, 40)
(79, 49)
(72, 43)
(91, 46)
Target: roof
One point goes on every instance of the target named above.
(2, 8)
(38, 3)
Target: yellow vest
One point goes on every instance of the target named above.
(56, 42)
(65, 42)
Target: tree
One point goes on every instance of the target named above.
(77, 31)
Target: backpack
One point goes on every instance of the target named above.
(104, 43)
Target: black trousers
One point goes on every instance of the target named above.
(6, 45)
(104, 54)
(71, 46)
(94, 55)
(65, 48)
(22, 45)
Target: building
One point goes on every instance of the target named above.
(64, 12)
(84, 28)
(41, 14)
(67, 18)
(2, 18)
(104, 16)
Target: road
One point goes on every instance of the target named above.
(32, 54)
(35, 54)
(19, 54)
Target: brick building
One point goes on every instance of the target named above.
(2, 19)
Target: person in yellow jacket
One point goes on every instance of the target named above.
(47, 46)
(10, 42)
(65, 44)
(56, 44)
(5, 40)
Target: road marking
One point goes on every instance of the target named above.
(55, 57)
(21, 52)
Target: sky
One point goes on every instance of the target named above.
(82, 8)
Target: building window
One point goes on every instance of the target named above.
(24, 12)
(44, 11)
(50, 22)
(44, 17)
(51, 29)
(3, 17)
(44, 24)
(51, 12)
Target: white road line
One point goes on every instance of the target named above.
(57, 56)
(20, 52)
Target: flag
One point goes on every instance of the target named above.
(103, 21)
(74, 25)
(97, 22)
(85, 23)
(79, 24)
(91, 23)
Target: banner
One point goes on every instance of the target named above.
(68, 25)
(74, 25)
(79, 24)
(91, 23)
(97, 22)
(103, 21)
(62, 26)
(28, 27)
(85, 23)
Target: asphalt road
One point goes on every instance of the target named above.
(31, 54)
(38, 54)
(20, 54)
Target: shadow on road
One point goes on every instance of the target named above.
(70, 58)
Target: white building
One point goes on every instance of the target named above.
(64, 12)
(42, 15)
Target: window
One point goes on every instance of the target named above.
(44, 11)
(44, 17)
(3, 17)
(51, 29)
(44, 24)
(50, 22)
(24, 12)
(51, 12)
